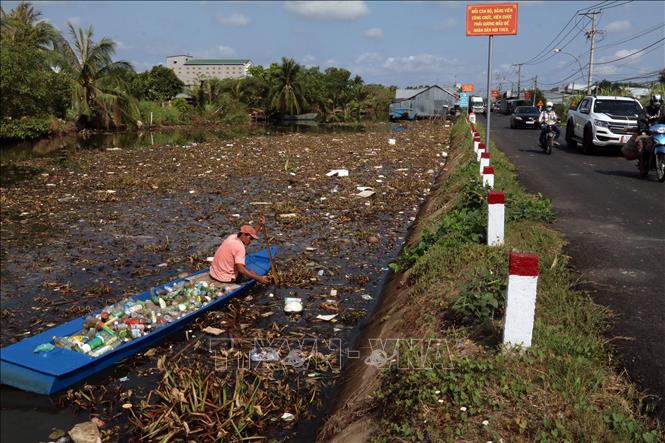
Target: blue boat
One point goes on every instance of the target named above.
(51, 372)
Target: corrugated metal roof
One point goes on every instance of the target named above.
(408, 93)
(211, 61)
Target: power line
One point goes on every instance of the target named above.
(545, 50)
(649, 31)
(631, 54)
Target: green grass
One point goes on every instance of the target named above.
(563, 388)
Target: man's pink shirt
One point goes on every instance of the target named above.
(230, 253)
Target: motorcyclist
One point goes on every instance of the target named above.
(546, 115)
(653, 113)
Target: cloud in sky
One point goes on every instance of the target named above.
(446, 25)
(234, 20)
(120, 45)
(618, 26)
(76, 21)
(226, 50)
(374, 33)
(328, 10)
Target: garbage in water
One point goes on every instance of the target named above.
(267, 355)
(366, 297)
(392, 141)
(292, 305)
(288, 416)
(366, 194)
(86, 432)
(325, 317)
(338, 173)
(212, 331)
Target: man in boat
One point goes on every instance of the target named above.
(228, 264)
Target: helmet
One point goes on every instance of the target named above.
(656, 99)
(549, 106)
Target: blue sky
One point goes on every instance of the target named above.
(393, 43)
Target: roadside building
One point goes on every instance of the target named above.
(191, 70)
(432, 101)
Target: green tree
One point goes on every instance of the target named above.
(163, 84)
(288, 94)
(29, 87)
(99, 96)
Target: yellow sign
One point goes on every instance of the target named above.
(540, 103)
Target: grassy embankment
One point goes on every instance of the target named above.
(564, 388)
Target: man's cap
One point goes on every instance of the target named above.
(247, 229)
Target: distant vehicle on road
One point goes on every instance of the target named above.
(525, 117)
(602, 122)
(477, 105)
(509, 105)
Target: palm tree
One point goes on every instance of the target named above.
(288, 95)
(99, 94)
(23, 24)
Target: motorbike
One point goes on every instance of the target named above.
(656, 158)
(550, 134)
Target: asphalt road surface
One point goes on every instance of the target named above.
(614, 223)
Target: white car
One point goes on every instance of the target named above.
(602, 121)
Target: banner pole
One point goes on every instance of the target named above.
(488, 112)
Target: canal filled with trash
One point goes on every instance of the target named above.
(88, 223)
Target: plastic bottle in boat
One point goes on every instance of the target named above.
(64, 342)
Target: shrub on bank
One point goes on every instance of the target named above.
(24, 128)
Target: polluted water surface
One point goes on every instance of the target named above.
(90, 229)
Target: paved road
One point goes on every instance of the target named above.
(615, 225)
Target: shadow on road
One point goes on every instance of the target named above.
(630, 174)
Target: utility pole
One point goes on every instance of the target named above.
(519, 74)
(591, 35)
(535, 88)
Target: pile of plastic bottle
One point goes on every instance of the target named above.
(131, 319)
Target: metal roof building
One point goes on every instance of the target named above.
(425, 102)
(192, 70)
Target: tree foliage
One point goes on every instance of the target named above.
(99, 93)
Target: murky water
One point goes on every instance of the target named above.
(94, 223)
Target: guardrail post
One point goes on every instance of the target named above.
(521, 300)
(488, 176)
(496, 211)
(481, 149)
(484, 161)
(476, 141)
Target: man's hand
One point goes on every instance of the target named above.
(263, 280)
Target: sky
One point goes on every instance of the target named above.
(392, 43)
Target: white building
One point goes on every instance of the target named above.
(191, 70)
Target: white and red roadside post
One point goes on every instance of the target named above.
(496, 213)
(481, 149)
(484, 161)
(521, 300)
(476, 141)
(488, 176)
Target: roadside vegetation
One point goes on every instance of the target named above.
(564, 388)
(53, 82)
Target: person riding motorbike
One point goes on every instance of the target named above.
(653, 113)
(546, 115)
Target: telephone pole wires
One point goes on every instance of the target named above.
(591, 35)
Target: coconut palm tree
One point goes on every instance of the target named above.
(99, 95)
(24, 24)
(288, 94)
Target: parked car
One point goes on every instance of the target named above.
(602, 122)
(525, 117)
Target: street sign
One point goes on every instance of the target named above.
(468, 87)
(491, 19)
(464, 100)
(495, 93)
(540, 103)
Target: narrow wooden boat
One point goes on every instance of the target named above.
(50, 372)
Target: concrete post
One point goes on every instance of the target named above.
(481, 149)
(496, 210)
(521, 300)
(488, 176)
(484, 161)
